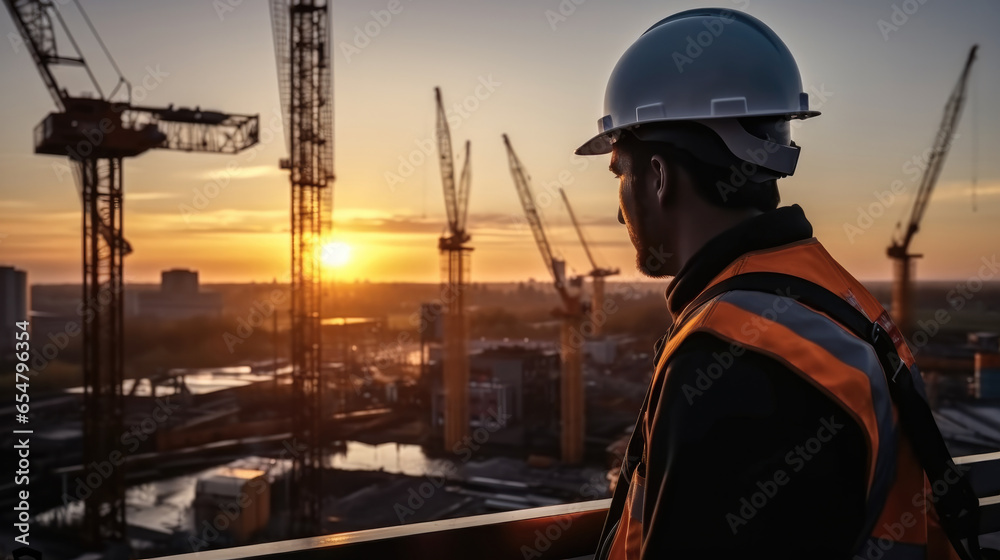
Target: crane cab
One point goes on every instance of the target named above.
(94, 128)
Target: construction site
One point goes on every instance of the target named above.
(186, 416)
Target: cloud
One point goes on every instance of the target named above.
(243, 172)
(57, 218)
(389, 224)
(140, 196)
(16, 204)
(360, 221)
(364, 221)
(223, 220)
(963, 191)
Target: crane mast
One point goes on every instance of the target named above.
(597, 273)
(301, 31)
(899, 250)
(96, 134)
(571, 393)
(455, 269)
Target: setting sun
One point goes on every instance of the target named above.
(336, 254)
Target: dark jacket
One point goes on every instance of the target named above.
(710, 452)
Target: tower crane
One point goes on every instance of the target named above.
(301, 30)
(899, 250)
(571, 314)
(597, 273)
(97, 131)
(455, 257)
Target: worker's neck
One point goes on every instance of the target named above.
(704, 223)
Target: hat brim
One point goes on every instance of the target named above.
(598, 145)
(602, 143)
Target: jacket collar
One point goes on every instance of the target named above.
(771, 229)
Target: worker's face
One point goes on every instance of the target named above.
(641, 198)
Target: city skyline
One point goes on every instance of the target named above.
(879, 74)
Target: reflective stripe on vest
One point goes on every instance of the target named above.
(847, 349)
(836, 362)
(904, 517)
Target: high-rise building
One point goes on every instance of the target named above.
(179, 298)
(13, 307)
(179, 281)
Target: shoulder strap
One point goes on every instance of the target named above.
(633, 452)
(957, 506)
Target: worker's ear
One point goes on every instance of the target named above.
(661, 178)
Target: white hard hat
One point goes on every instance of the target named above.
(714, 67)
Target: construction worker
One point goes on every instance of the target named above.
(776, 421)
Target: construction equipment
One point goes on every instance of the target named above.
(96, 131)
(455, 269)
(301, 30)
(571, 314)
(899, 250)
(597, 273)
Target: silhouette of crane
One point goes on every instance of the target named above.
(597, 273)
(455, 257)
(570, 340)
(301, 31)
(899, 250)
(96, 133)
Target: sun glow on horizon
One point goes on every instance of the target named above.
(336, 254)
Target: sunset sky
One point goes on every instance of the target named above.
(540, 67)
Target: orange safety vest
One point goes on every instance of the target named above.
(838, 363)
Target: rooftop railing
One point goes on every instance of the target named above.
(562, 532)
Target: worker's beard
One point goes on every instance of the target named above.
(651, 257)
